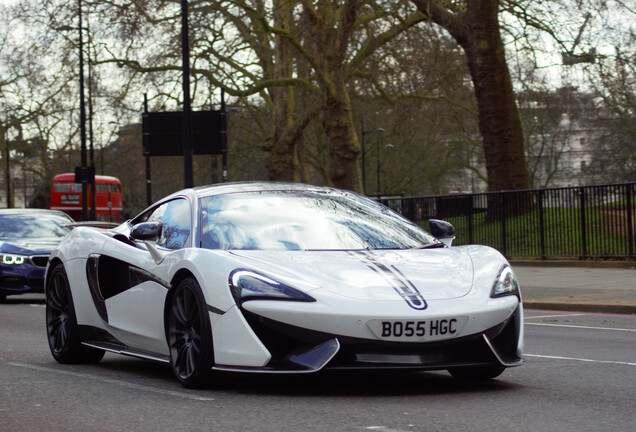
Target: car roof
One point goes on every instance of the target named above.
(224, 188)
(240, 187)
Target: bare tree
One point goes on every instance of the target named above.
(553, 120)
(273, 50)
(475, 26)
(36, 102)
(614, 152)
(417, 88)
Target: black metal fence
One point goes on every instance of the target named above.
(585, 222)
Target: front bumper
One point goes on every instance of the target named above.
(298, 350)
(26, 278)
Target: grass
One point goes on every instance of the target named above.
(606, 233)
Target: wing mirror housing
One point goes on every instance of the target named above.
(147, 231)
(150, 232)
(442, 230)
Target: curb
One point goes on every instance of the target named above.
(580, 307)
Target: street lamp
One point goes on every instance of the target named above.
(364, 171)
(186, 131)
(10, 122)
(388, 146)
(224, 117)
(83, 172)
(91, 150)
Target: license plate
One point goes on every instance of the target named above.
(417, 330)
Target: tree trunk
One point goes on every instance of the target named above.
(477, 32)
(344, 148)
(329, 29)
(499, 120)
(281, 161)
(281, 157)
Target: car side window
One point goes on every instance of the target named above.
(176, 219)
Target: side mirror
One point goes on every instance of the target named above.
(147, 231)
(150, 232)
(442, 230)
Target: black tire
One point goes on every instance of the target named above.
(61, 323)
(3, 297)
(190, 336)
(477, 373)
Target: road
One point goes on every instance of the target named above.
(580, 375)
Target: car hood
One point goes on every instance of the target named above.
(429, 274)
(30, 246)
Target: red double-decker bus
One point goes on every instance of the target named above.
(66, 195)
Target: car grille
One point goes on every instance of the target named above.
(40, 261)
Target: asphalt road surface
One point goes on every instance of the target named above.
(580, 375)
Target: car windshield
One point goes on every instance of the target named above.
(305, 220)
(33, 226)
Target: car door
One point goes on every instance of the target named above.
(134, 286)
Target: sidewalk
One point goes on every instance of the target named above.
(581, 286)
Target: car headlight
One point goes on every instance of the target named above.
(248, 285)
(10, 259)
(506, 284)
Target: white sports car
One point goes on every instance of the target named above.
(284, 278)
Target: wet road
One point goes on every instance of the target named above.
(580, 375)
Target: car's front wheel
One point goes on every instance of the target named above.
(190, 336)
(481, 373)
(61, 323)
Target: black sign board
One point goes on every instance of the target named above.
(162, 133)
(85, 174)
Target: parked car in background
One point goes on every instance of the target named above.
(27, 237)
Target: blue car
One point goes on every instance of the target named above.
(27, 237)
